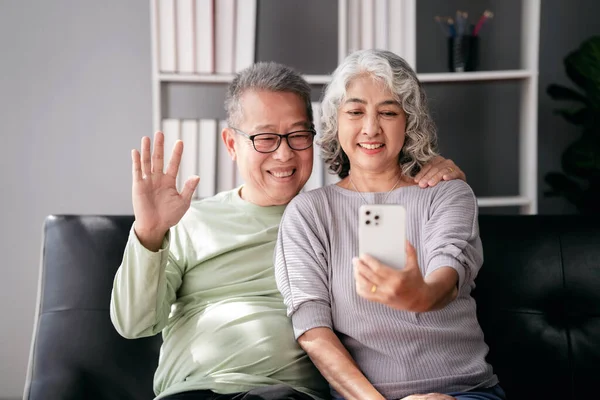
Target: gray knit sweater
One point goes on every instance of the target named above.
(401, 353)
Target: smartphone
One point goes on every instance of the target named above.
(382, 233)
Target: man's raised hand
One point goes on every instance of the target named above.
(157, 204)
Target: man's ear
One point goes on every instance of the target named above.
(228, 136)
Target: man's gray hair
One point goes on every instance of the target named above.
(268, 76)
(387, 68)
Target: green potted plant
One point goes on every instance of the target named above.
(579, 182)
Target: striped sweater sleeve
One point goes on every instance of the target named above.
(301, 267)
(451, 234)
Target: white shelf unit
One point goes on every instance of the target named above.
(526, 199)
(324, 79)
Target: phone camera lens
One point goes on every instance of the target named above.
(368, 212)
(376, 217)
(367, 222)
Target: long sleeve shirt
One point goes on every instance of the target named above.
(210, 290)
(400, 352)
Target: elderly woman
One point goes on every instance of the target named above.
(373, 331)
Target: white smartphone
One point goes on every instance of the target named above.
(382, 233)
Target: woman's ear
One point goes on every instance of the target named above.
(228, 136)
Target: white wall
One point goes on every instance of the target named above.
(74, 99)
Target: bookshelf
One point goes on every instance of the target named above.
(405, 28)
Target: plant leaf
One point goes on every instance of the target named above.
(582, 158)
(563, 186)
(559, 92)
(576, 117)
(583, 67)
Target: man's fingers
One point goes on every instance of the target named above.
(188, 189)
(437, 177)
(435, 161)
(437, 174)
(433, 176)
(456, 173)
(437, 170)
(136, 167)
(173, 167)
(158, 152)
(448, 170)
(146, 166)
(422, 173)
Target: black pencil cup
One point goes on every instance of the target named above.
(463, 53)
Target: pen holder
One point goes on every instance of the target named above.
(463, 53)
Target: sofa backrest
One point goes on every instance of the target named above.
(538, 297)
(76, 352)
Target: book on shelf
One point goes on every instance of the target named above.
(209, 137)
(245, 35)
(367, 24)
(380, 15)
(204, 154)
(184, 22)
(167, 57)
(316, 177)
(394, 26)
(189, 159)
(353, 25)
(375, 24)
(225, 165)
(205, 36)
(224, 36)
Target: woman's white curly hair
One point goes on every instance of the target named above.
(420, 143)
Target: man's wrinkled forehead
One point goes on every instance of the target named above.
(302, 124)
(295, 117)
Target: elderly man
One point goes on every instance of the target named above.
(202, 273)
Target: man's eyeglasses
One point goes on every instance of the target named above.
(270, 142)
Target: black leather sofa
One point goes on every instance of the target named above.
(538, 298)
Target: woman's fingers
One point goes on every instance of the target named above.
(367, 272)
(364, 287)
(412, 260)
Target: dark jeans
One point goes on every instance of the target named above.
(493, 393)
(275, 392)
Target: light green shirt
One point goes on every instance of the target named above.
(211, 291)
